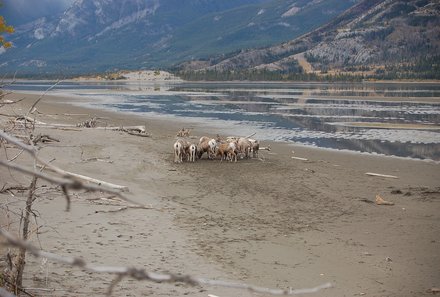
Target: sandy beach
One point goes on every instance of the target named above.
(275, 221)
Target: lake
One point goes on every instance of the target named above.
(396, 119)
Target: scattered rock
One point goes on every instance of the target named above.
(381, 201)
(434, 291)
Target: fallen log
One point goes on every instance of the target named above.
(141, 134)
(125, 208)
(380, 175)
(301, 159)
(92, 123)
(124, 128)
(43, 138)
(89, 179)
(29, 120)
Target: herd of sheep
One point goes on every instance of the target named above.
(230, 149)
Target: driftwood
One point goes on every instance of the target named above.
(132, 130)
(106, 160)
(29, 120)
(43, 138)
(298, 158)
(141, 134)
(89, 179)
(18, 188)
(76, 114)
(92, 123)
(7, 102)
(380, 175)
(123, 208)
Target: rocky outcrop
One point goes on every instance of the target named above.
(370, 33)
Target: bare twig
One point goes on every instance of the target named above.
(21, 261)
(67, 181)
(102, 186)
(90, 179)
(141, 274)
(41, 97)
(16, 188)
(7, 102)
(124, 208)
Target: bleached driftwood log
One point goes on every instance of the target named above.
(132, 130)
(67, 180)
(89, 179)
(380, 175)
(301, 159)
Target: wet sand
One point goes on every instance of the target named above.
(275, 221)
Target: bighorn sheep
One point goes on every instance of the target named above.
(181, 150)
(244, 147)
(192, 153)
(207, 145)
(255, 147)
(178, 152)
(227, 150)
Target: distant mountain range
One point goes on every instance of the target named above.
(107, 35)
(381, 39)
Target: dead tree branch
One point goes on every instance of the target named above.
(21, 261)
(41, 97)
(141, 274)
(66, 181)
(33, 152)
(92, 123)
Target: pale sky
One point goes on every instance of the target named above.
(20, 11)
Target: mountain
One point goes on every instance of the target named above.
(106, 35)
(373, 36)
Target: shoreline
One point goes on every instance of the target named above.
(273, 221)
(179, 80)
(187, 121)
(194, 121)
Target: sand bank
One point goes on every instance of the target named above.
(276, 221)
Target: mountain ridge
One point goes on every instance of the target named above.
(373, 37)
(106, 35)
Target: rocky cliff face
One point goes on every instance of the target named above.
(391, 32)
(371, 33)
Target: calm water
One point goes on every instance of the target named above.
(391, 119)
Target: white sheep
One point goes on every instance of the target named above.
(192, 153)
(178, 152)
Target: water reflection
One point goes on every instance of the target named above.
(405, 117)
